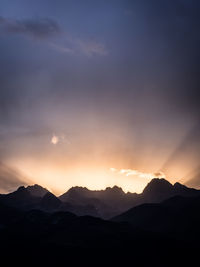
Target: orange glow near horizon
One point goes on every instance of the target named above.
(59, 167)
(96, 158)
(59, 179)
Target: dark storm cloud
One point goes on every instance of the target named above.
(37, 28)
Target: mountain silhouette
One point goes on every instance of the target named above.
(178, 215)
(80, 194)
(113, 201)
(160, 189)
(21, 198)
(37, 190)
(49, 202)
(105, 204)
(48, 229)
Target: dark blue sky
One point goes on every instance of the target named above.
(116, 81)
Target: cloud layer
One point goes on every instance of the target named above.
(46, 28)
(39, 28)
(131, 172)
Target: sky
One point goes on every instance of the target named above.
(96, 93)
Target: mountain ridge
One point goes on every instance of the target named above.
(48, 224)
(106, 203)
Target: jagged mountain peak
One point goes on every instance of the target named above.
(37, 190)
(114, 190)
(157, 184)
(20, 188)
(78, 189)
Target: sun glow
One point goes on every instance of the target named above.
(59, 177)
(54, 140)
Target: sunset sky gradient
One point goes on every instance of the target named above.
(91, 86)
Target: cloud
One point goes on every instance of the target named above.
(40, 28)
(45, 28)
(10, 178)
(131, 172)
(72, 45)
(92, 47)
(61, 48)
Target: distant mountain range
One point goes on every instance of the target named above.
(101, 203)
(159, 227)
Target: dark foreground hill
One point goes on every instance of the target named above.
(178, 216)
(35, 232)
(41, 239)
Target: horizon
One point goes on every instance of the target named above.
(90, 189)
(113, 177)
